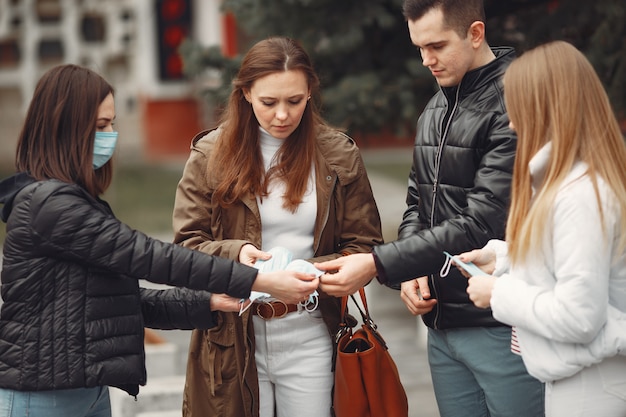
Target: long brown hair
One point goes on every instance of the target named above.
(237, 157)
(553, 94)
(57, 138)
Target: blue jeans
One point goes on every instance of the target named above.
(475, 374)
(80, 402)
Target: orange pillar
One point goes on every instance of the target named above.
(169, 126)
(229, 35)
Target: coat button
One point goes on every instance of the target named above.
(328, 178)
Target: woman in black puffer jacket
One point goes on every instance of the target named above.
(73, 314)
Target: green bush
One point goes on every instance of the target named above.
(142, 196)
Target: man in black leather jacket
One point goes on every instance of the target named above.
(457, 200)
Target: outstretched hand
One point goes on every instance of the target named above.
(226, 303)
(485, 259)
(345, 275)
(249, 254)
(291, 287)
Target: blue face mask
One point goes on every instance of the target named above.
(103, 148)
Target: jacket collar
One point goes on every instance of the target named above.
(538, 165)
(488, 73)
(347, 169)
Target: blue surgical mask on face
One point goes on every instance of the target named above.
(103, 148)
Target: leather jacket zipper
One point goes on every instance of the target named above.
(438, 157)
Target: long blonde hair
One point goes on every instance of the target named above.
(553, 94)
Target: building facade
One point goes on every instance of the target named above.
(132, 43)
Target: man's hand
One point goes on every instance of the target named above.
(248, 255)
(416, 296)
(352, 273)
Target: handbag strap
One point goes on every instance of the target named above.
(365, 316)
(344, 307)
(343, 325)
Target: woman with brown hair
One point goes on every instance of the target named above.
(73, 314)
(273, 174)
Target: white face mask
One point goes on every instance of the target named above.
(103, 148)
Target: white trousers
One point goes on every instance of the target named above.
(294, 362)
(598, 391)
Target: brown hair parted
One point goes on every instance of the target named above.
(458, 14)
(238, 156)
(57, 139)
(553, 94)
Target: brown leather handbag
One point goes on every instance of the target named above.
(367, 383)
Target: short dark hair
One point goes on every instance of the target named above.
(457, 14)
(57, 138)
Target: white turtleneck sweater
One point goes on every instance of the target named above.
(280, 227)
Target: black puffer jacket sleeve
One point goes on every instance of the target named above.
(71, 225)
(177, 308)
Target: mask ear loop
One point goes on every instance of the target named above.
(242, 309)
(311, 304)
(445, 269)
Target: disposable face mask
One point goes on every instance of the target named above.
(282, 260)
(103, 148)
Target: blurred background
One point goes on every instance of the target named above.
(171, 62)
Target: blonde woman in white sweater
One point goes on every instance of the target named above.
(561, 274)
